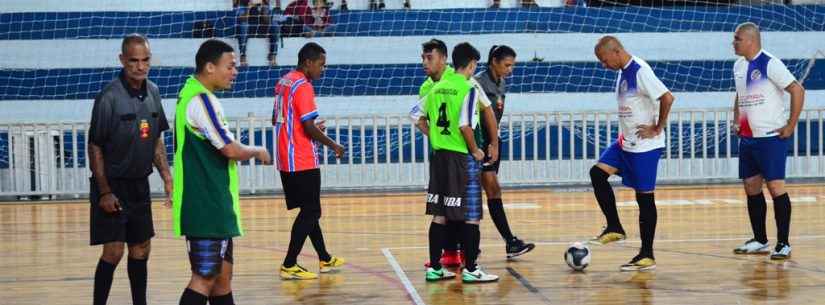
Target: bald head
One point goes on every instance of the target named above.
(611, 53)
(746, 40)
(608, 43)
(751, 30)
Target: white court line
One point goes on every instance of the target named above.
(559, 243)
(403, 277)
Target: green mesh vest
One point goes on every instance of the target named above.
(205, 197)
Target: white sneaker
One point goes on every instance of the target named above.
(752, 247)
(782, 251)
(478, 276)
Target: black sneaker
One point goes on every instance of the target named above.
(517, 247)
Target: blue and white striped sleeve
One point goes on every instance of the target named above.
(205, 116)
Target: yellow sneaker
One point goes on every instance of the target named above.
(332, 264)
(296, 273)
(639, 263)
(606, 238)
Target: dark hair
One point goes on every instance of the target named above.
(130, 39)
(210, 51)
(310, 51)
(434, 44)
(463, 54)
(499, 52)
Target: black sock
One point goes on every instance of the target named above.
(317, 239)
(304, 223)
(496, 208)
(606, 199)
(436, 243)
(103, 281)
(452, 235)
(137, 279)
(222, 299)
(191, 297)
(647, 222)
(757, 209)
(782, 213)
(472, 238)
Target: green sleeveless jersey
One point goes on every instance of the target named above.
(205, 197)
(443, 105)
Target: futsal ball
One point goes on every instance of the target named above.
(577, 256)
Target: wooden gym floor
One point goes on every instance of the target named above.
(46, 258)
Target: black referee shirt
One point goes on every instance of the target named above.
(495, 90)
(126, 123)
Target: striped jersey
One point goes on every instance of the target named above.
(294, 104)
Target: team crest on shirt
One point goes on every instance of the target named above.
(144, 129)
(755, 74)
(623, 87)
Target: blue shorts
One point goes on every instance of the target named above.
(206, 255)
(765, 156)
(472, 198)
(638, 170)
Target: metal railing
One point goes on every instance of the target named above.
(386, 152)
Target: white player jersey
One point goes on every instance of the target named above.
(638, 91)
(760, 88)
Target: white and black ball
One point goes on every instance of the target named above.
(577, 256)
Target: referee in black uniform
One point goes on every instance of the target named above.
(124, 141)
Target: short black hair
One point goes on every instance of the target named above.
(130, 39)
(211, 51)
(499, 52)
(310, 51)
(463, 54)
(434, 44)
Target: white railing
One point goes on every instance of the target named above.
(539, 149)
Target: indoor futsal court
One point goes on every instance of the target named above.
(383, 236)
(376, 107)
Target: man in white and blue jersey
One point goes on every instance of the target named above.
(635, 155)
(764, 128)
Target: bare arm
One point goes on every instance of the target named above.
(316, 134)
(665, 102)
(106, 199)
(163, 169)
(423, 126)
(650, 131)
(797, 100)
(467, 133)
(491, 127)
(241, 152)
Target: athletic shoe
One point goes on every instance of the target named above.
(437, 275)
(752, 247)
(517, 247)
(296, 273)
(607, 237)
(449, 258)
(478, 276)
(331, 265)
(781, 252)
(639, 263)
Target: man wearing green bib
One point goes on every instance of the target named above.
(450, 109)
(205, 196)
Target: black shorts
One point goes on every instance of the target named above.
(206, 255)
(133, 224)
(487, 166)
(302, 189)
(448, 184)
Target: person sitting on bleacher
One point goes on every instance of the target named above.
(255, 18)
(307, 20)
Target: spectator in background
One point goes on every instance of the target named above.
(255, 18)
(496, 4)
(377, 5)
(529, 4)
(241, 8)
(306, 19)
